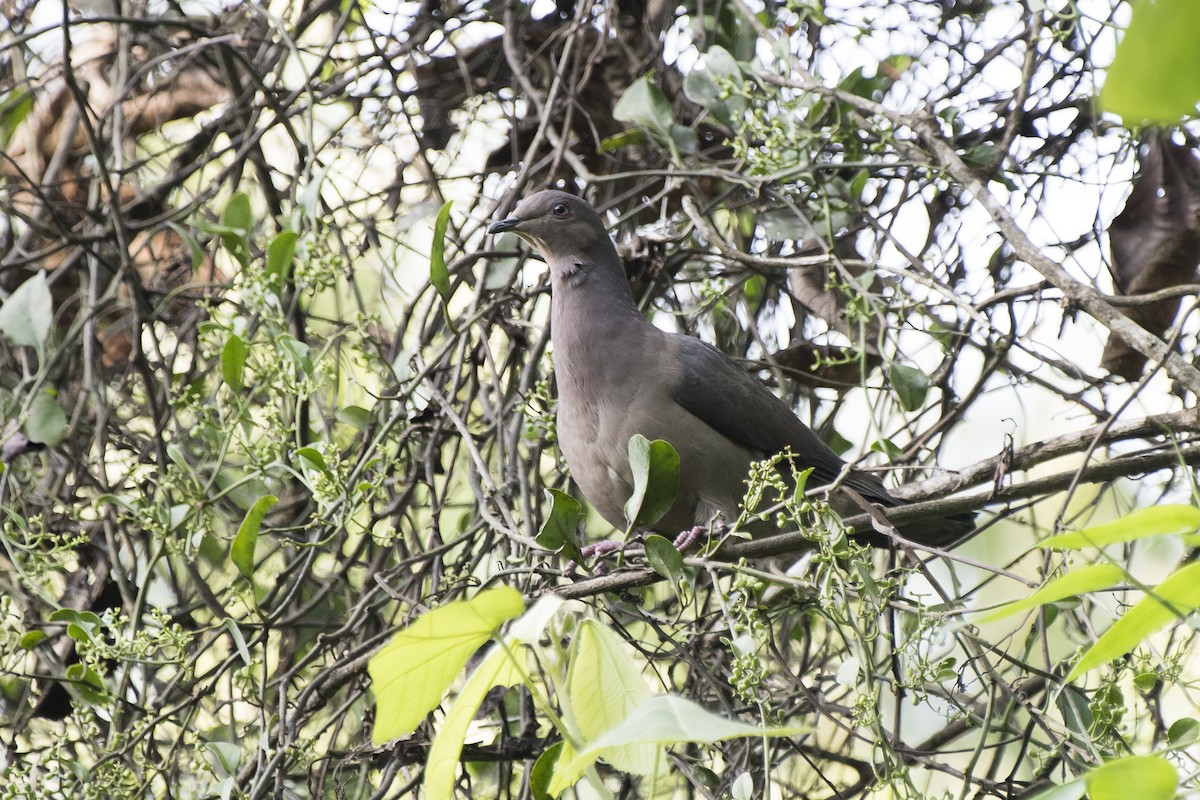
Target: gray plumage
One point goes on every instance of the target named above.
(618, 375)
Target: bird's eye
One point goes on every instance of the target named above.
(560, 211)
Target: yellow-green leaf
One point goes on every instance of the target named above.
(496, 669)
(1076, 582)
(1155, 75)
(1173, 599)
(1141, 777)
(411, 673)
(1152, 521)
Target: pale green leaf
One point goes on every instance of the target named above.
(1076, 582)
(1067, 791)
(1171, 600)
(665, 719)
(496, 669)
(47, 422)
(1152, 521)
(411, 673)
(26, 315)
(604, 685)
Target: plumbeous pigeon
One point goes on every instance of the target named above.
(619, 375)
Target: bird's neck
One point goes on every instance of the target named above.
(592, 309)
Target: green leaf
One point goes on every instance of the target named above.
(279, 258)
(1181, 733)
(1078, 581)
(228, 756)
(233, 362)
(543, 769)
(1152, 521)
(685, 139)
(241, 551)
(13, 110)
(709, 85)
(47, 422)
(313, 456)
(1155, 75)
(88, 683)
(644, 104)
(623, 139)
(1171, 600)
(33, 639)
(911, 386)
(666, 560)
(604, 686)
(356, 417)
(438, 275)
(1143, 777)
(26, 315)
(562, 524)
(411, 673)
(237, 214)
(666, 719)
(296, 350)
(655, 468)
(236, 224)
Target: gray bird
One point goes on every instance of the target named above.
(619, 375)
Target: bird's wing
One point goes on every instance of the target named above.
(724, 396)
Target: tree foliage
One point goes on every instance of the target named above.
(270, 394)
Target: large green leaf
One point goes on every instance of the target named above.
(1155, 76)
(664, 719)
(1141, 777)
(411, 673)
(604, 686)
(498, 668)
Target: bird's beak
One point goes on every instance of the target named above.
(503, 225)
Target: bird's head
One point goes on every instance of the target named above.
(558, 224)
